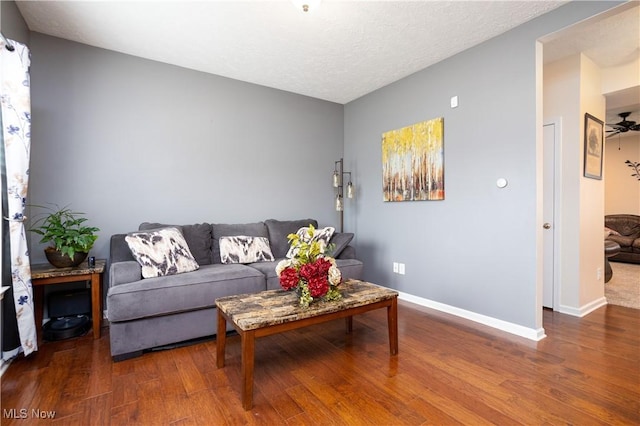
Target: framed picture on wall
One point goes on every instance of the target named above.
(593, 140)
(413, 162)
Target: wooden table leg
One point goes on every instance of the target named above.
(96, 303)
(392, 323)
(248, 353)
(349, 323)
(221, 339)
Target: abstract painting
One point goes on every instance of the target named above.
(413, 162)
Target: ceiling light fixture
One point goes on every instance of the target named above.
(306, 5)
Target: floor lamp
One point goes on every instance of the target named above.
(338, 182)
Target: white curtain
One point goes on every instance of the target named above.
(16, 135)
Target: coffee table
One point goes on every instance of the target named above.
(274, 311)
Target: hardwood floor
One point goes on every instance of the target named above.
(449, 371)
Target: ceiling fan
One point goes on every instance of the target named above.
(623, 126)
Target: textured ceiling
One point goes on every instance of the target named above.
(338, 52)
(610, 40)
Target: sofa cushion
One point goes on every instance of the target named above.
(198, 238)
(622, 240)
(268, 269)
(322, 236)
(244, 249)
(340, 241)
(257, 229)
(350, 268)
(279, 230)
(161, 252)
(178, 293)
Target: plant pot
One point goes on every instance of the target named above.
(59, 260)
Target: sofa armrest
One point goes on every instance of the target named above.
(124, 272)
(349, 252)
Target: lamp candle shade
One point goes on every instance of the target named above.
(350, 190)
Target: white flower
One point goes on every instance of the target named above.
(335, 276)
(282, 265)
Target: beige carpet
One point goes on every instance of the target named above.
(624, 287)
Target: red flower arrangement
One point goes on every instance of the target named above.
(314, 275)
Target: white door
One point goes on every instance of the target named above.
(549, 167)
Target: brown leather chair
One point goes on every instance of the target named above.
(625, 231)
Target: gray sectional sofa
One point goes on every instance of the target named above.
(146, 313)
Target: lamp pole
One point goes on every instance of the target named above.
(338, 182)
(341, 196)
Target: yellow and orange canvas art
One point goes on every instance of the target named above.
(413, 162)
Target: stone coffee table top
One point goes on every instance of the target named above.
(272, 307)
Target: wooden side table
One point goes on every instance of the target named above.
(46, 274)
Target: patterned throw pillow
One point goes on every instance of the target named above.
(161, 252)
(243, 249)
(321, 235)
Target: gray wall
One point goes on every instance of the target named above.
(12, 24)
(127, 140)
(476, 250)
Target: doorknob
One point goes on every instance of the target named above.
(547, 225)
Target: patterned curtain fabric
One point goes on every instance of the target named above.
(16, 134)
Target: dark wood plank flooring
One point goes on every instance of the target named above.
(449, 371)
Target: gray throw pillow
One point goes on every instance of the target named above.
(340, 241)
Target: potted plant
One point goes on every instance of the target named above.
(70, 240)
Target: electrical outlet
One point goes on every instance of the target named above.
(395, 267)
(599, 274)
(401, 269)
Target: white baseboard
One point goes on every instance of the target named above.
(583, 310)
(518, 330)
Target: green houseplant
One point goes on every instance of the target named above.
(70, 239)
